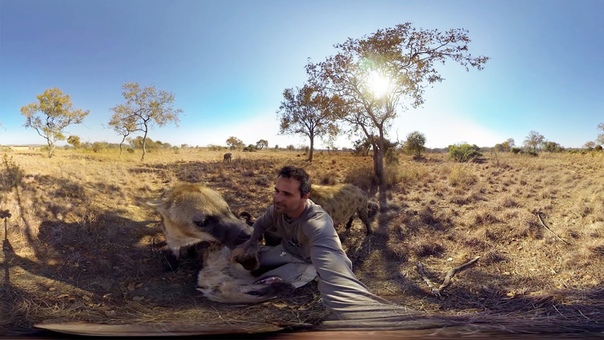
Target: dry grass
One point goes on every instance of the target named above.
(82, 245)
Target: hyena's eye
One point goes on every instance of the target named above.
(206, 221)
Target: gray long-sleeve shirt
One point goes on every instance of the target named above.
(313, 239)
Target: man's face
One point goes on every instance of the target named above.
(287, 198)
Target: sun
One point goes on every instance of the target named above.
(379, 84)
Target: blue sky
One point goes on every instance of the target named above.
(228, 61)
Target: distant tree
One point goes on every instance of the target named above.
(74, 141)
(51, 115)
(250, 148)
(415, 143)
(534, 141)
(589, 145)
(372, 74)
(464, 152)
(362, 147)
(234, 143)
(261, 144)
(124, 125)
(307, 111)
(600, 138)
(144, 108)
(511, 142)
(549, 146)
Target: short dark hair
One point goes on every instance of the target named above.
(299, 175)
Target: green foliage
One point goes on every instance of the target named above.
(534, 141)
(361, 147)
(74, 140)
(50, 115)
(552, 147)
(250, 148)
(261, 144)
(234, 143)
(464, 152)
(405, 58)
(143, 109)
(415, 143)
(391, 156)
(311, 112)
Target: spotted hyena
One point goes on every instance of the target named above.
(227, 157)
(342, 202)
(193, 213)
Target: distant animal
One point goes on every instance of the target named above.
(342, 202)
(194, 213)
(227, 157)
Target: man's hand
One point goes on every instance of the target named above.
(246, 255)
(237, 253)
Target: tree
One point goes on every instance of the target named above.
(549, 146)
(415, 143)
(51, 115)
(534, 141)
(511, 143)
(589, 145)
(307, 111)
(75, 141)
(261, 144)
(234, 143)
(372, 74)
(143, 109)
(600, 138)
(123, 125)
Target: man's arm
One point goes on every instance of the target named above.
(343, 294)
(251, 247)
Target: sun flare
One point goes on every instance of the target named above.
(378, 83)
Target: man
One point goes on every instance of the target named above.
(310, 247)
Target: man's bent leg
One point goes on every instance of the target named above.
(290, 269)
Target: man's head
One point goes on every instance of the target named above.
(291, 191)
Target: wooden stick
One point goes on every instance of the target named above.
(448, 277)
(452, 272)
(538, 213)
(435, 291)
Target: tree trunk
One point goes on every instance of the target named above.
(312, 147)
(51, 147)
(380, 176)
(144, 146)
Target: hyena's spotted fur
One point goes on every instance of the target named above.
(342, 202)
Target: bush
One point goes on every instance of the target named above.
(464, 152)
(12, 174)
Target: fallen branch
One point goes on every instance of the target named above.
(420, 269)
(448, 277)
(454, 271)
(538, 213)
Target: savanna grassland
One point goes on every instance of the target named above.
(81, 244)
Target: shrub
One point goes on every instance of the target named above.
(464, 152)
(12, 175)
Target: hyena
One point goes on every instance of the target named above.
(342, 202)
(193, 213)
